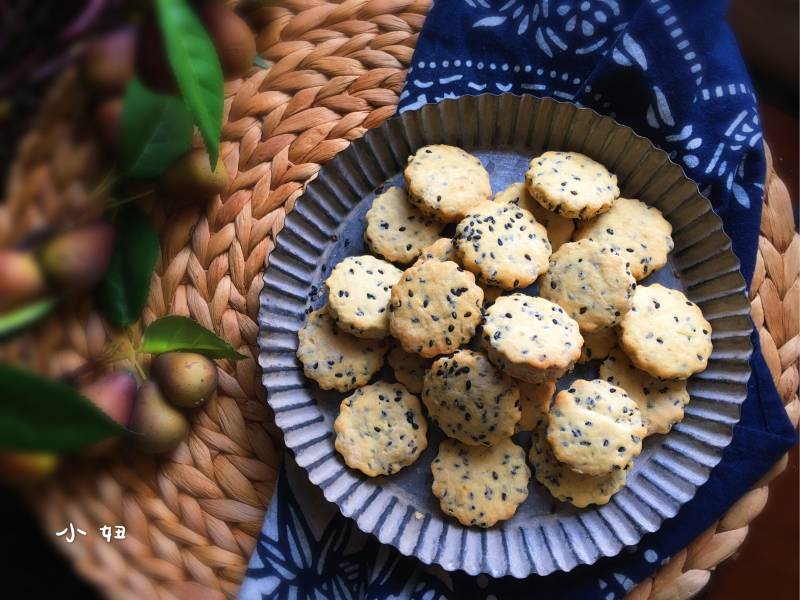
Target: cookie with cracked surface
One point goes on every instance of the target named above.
(571, 184)
(660, 401)
(534, 400)
(445, 182)
(594, 427)
(597, 345)
(480, 485)
(665, 334)
(359, 288)
(559, 229)
(564, 483)
(435, 308)
(637, 232)
(334, 359)
(470, 399)
(530, 338)
(396, 230)
(503, 245)
(444, 249)
(591, 283)
(409, 368)
(380, 429)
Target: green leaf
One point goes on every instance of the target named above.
(179, 334)
(196, 67)
(20, 318)
(41, 415)
(155, 130)
(123, 292)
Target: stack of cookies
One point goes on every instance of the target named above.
(480, 358)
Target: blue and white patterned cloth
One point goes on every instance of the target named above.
(671, 70)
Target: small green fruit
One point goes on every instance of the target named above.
(24, 469)
(187, 379)
(160, 427)
(114, 394)
(21, 278)
(78, 259)
(190, 178)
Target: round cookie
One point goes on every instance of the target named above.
(479, 485)
(637, 232)
(534, 400)
(503, 245)
(595, 427)
(660, 402)
(397, 230)
(530, 338)
(446, 182)
(559, 229)
(665, 334)
(443, 249)
(470, 399)
(564, 483)
(359, 288)
(334, 359)
(592, 284)
(571, 184)
(409, 368)
(598, 344)
(435, 307)
(380, 429)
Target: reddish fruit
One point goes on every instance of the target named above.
(22, 469)
(191, 178)
(108, 61)
(188, 380)
(114, 394)
(21, 278)
(106, 118)
(78, 259)
(160, 427)
(232, 37)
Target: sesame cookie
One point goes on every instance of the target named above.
(595, 427)
(564, 483)
(637, 232)
(534, 400)
(397, 230)
(334, 359)
(479, 485)
(470, 399)
(559, 229)
(665, 334)
(380, 429)
(598, 344)
(660, 402)
(445, 182)
(409, 368)
(503, 245)
(435, 307)
(530, 338)
(359, 288)
(444, 249)
(571, 184)
(592, 284)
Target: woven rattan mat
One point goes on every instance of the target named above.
(194, 517)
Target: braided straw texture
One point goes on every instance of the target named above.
(193, 517)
